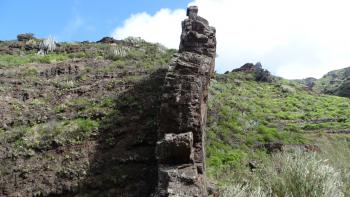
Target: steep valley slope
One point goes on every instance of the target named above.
(82, 121)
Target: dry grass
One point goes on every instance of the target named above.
(292, 175)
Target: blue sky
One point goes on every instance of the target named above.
(73, 20)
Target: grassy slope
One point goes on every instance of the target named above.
(69, 119)
(243, 112)
(77, 112)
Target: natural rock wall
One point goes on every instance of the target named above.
(180, 148)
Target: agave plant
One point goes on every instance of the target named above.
(47, 45)
(114, 52)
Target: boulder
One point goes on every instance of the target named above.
(107, 40)
(249, 67)
(25, 37)
(261, 74)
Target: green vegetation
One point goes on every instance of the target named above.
(51, 134)
(7, 61)
(145, 55)
(244, 113)
(136, 52)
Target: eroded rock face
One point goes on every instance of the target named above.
(180, 149)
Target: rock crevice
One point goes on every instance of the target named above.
(180, 147)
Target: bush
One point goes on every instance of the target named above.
(302, 174)
(295, 174)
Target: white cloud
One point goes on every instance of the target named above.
(292, 38)
(164, 27)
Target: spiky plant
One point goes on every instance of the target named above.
(115, 52)
(47, 45)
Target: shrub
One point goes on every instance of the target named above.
(291, 175)
(302, 174)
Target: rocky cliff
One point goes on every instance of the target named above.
(180, 149)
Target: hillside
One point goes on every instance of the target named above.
(81, 119)
(248, 119)
(336, 82)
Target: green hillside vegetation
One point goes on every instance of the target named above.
(244, 113)
(75, 118)
(336, 82)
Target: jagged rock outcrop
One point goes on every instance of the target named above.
(249, 67)
(25, 37)
(180, 148)
(261, 74)
(108, 40)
